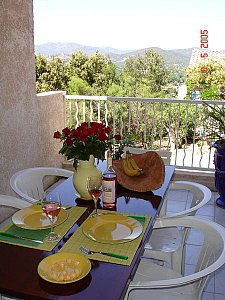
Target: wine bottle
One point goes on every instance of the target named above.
(109, 182)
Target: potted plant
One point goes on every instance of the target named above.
(83, 144)
(215, 115)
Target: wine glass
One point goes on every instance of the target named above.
(51, 206)
(94, 185)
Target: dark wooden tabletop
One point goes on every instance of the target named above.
(18, 265)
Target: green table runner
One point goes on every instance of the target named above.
(74, 214)
(129, 249)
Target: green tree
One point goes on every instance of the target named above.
(208, 77)
(177, 75)
(144, 75)
(78, 86)
(51, 75)
(40, 65)
(176, 123)
(99, 72)
(76, 64)
(210, 93)
(115, 90)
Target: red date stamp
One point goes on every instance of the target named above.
(204, 44)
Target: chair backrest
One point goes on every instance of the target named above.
(165, 154)
(28, 183)
(201, 196)
(11, 201)
(212, 255)
(8, 206)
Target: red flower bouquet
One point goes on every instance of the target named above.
(89, 138)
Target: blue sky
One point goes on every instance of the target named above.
(130, 24)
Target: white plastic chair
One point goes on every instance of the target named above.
(12, 202)
(28, 183)
(167, 243)
(201, 196)
(152, 281)
(8, 204)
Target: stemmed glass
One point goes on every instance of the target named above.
(51, 206)
(94, 185)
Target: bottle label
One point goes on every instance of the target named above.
(109, 162)
(109, 191)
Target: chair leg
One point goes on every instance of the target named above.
(162, 212)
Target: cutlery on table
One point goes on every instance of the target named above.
(20, 237)
(66, 207)
(138, 218)
(87, 251)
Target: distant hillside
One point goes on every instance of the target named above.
(179, 57)
(68, 48)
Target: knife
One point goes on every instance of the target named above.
(138, 218)
(20, 237)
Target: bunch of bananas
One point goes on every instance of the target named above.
(130, 166)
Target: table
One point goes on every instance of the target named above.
(18, 265)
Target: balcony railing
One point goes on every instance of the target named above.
(156, 124)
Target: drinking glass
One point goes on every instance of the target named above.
(51, 206)
(94, 185)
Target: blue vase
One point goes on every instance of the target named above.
(220, 186)
(219, 160)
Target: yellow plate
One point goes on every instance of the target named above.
(33, 217)
(112, 228)
(64, 268)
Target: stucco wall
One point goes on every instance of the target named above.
(51, 117)
(27, 122)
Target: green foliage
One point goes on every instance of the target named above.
(176, 75)
(144, 75)
(126, 141)
(214, 116)
(210, 93)
(115, 90)
(97, 70)
(40, 65)
(76, 64)
(178, 125)
(50, 74)
(209, 81)
(78, 86)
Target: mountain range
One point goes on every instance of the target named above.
(179, 57)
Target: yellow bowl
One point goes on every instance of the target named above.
(61, 267)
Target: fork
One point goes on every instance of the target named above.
(66, 207)
(87, 251)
